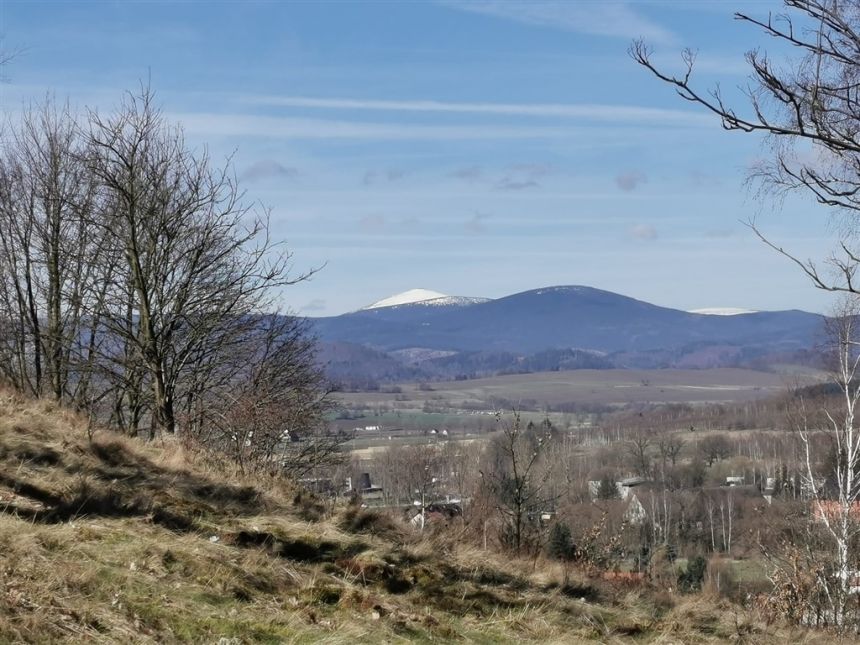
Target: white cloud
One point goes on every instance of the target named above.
(242, 125)
(613, 19)
(582, 111)
(208, 125)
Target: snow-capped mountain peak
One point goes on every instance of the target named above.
(422, 297)
(722, 311)
(406, 298)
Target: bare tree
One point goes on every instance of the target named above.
(265, 400)
(670, 446)
(810, 114)
(517, 481)
(638, 448)
(195, 257)
(136, 285)
(714, 447)
(53, 269)
(808, 110)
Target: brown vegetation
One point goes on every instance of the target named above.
(105, 538)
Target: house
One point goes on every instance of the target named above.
(370, 494)
(635, 513)
(626, 485)
(623, 486)
(769, 489)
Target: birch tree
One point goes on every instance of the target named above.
(835, 508)
(809, 115)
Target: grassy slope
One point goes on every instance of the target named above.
(111, 540)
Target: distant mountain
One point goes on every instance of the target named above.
(509, 334)
(562, 317)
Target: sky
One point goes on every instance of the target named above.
(477, 148)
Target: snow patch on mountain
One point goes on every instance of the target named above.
(424, 297)
(406, 298)
(563, 289)
(722, 311)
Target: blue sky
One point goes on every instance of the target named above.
(474, 148)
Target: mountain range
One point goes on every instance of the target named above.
(422, 333)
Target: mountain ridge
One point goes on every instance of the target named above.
(500, 335)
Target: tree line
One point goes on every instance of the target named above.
(140, 286)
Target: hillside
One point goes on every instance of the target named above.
(107, 539)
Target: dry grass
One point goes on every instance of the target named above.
(112, 540)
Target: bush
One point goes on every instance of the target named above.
(607, 488)
(691, 578)
(359, 520)
(560, 545)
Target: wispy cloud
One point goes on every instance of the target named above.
(372, 177)
(644, 232)
(315, 305)
(243, 125)
(372, 224)
(629, 181)
(267, 168)
(698, 179)
(580, 111)
(705, 63)
(613, 19)
(475, 224)
(720, 233)
(513, 177)
(510, 183)
(376, 224)
(523, 176)
(468, 173)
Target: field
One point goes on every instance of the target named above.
(605, 387)
(569, 398)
